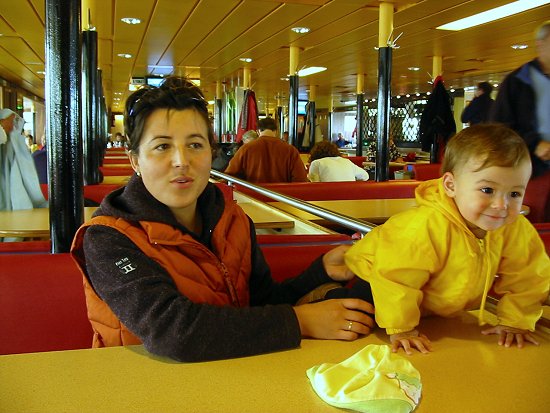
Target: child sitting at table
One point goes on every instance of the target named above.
(465, 236)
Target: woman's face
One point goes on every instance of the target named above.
(174, 160)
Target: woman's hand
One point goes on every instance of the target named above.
(507, 336)
(334, 264)
(342, 319)
(410, 339)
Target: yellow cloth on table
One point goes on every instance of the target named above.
(372, 380)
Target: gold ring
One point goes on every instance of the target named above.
(349, 325)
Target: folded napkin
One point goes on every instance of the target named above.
(372, 380)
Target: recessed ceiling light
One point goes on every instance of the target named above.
(41, 72)
(125, 55)
(493, 14)
(311, 70)
(245, 59)
(131, 20)
(413, 69)
(284, 78)
(300, 30)
(519, 46)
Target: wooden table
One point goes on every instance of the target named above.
(35, 223)
(466, 372)
(114, 179)
(30, 223)
(376, 211)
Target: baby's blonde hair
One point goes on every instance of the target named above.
(495, 144)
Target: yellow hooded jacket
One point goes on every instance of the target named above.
(427, 261)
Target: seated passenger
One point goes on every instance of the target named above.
(168, 263)
(268, 158)
(443, 256)
(326, 165)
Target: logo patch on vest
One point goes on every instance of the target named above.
(125, 266)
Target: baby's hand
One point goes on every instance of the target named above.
(507, 335)
(410, 339)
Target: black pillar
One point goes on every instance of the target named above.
(382, 169)
(218, 118)
(281, 119)
(294, 82)
(63, 99)
(90, 106)
(360, 122)
(312, 114)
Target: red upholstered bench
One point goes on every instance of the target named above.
(42, 305)
(543, 229)
(25, 247)
(97, 192)
(324, 191)
(303, 239)
(110, 171)
(425, 172)
(288, 261)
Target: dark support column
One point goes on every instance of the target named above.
(360, 121)
(218, 118)
(382, 170)
(294, 83)
(63, 100)
(89, 106)
(102, 122)
(281, 119)
(312, 112)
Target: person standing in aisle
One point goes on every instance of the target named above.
(523, 103)
(480, 107)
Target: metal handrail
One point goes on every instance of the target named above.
(348, 222)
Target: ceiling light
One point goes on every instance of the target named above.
(125, 55)
(300, 30)
(41, 72)
(311, 70)
(413, 69)
(519, 46)
(245, 59)
(131, 20)
(493, 14)
(284, 78)
(211, 102)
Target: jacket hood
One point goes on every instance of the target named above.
(431, 193)
(134, 203)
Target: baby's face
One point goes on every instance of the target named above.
(488, 198)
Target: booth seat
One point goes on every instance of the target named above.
(302, 239)
(94, 193)
(110, 171)
(424, 171)
(108, 161)
(25, 247)
(42, 305)
(325, 191)
(537, 198)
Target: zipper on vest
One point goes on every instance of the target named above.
(229, 285)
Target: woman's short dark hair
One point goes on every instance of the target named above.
(175, 93)
(323, 149)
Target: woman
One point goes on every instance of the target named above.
(168, 263)
(326, 165)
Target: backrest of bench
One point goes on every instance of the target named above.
(42, 304)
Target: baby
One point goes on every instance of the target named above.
(465, 236)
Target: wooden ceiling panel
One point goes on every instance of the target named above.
(207, 37)
(205, 17)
